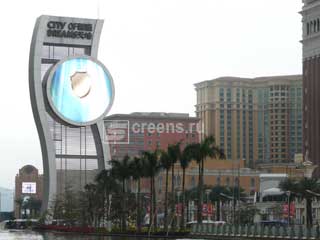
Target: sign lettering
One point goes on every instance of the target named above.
(70, 30)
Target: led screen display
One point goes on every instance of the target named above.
(29, 187)
(81, 90)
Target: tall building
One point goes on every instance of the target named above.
(311, 85)
(258, 120)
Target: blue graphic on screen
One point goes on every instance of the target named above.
(81, 90)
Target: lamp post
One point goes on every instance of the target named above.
(109, 224)
(288, 194)
(308, 168)
(178, 207)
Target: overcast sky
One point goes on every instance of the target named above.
(154, 49)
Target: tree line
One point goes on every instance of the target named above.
(109, 198)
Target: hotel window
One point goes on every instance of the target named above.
(221, 94)
(178, 180)
(228, 181)
(229, 92)
(218, 180)
(252, 182)
(193, 182)
(236, 181)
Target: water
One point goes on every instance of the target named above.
(29, 235)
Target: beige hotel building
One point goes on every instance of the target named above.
(258, 120)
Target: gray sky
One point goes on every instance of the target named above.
(155, 50)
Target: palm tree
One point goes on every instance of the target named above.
(34, 205)
(107, 184)
(289, 185)
(219, 194)
(199, 152)
(185, 159)
(122, 171)
(89, 204)
(190, 195)
(174, 154)
(307, 188)
(137, 173)
(166, 164)
(236, 193)
(152, 167)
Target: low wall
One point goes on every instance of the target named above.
(254, 232)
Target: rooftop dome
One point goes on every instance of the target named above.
(28, 169)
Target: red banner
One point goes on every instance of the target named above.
(179, 209)
(148, 209)
(292, 210)
(207, 210)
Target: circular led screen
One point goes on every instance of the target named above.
(80, 90)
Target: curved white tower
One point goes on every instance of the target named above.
(70, 93)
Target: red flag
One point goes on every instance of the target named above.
(292, 210)
(179, 209)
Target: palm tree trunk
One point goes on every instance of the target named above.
(172, 195)
(218, 210)
(309, 212)
(108, 206)
(199, 205)
(155, 205)
(104, 208)
(138, 207)
(188, 211)
(151, 205)
(201, 186)
(166, 203)
(124, 205)
(183, 196)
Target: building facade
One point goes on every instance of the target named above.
(147, 131)
(28, 184)
(62, 65)
(258, 120)
(311, 86)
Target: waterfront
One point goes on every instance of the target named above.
(30, 235)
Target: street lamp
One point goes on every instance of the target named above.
(288, 194)
(307, 167)
(178, 206)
